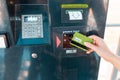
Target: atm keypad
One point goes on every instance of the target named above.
(32, 26)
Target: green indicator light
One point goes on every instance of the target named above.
(74, 6)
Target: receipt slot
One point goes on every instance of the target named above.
(73, 13)
(68, 13)
(32, 26)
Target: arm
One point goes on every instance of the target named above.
(102, 50)
(115, 60)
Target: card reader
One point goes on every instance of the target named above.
(78, 40)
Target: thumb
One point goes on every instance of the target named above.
(91, 46)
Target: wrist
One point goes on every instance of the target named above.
(113, 58)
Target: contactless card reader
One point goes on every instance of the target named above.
(78, 40)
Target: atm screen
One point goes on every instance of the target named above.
(32, 18)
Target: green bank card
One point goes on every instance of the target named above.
(78, 40)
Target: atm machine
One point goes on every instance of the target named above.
(42, 32)
(68, 17)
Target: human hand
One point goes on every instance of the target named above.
(99, 47)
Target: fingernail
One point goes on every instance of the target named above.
(85, 43)
(88, 52)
